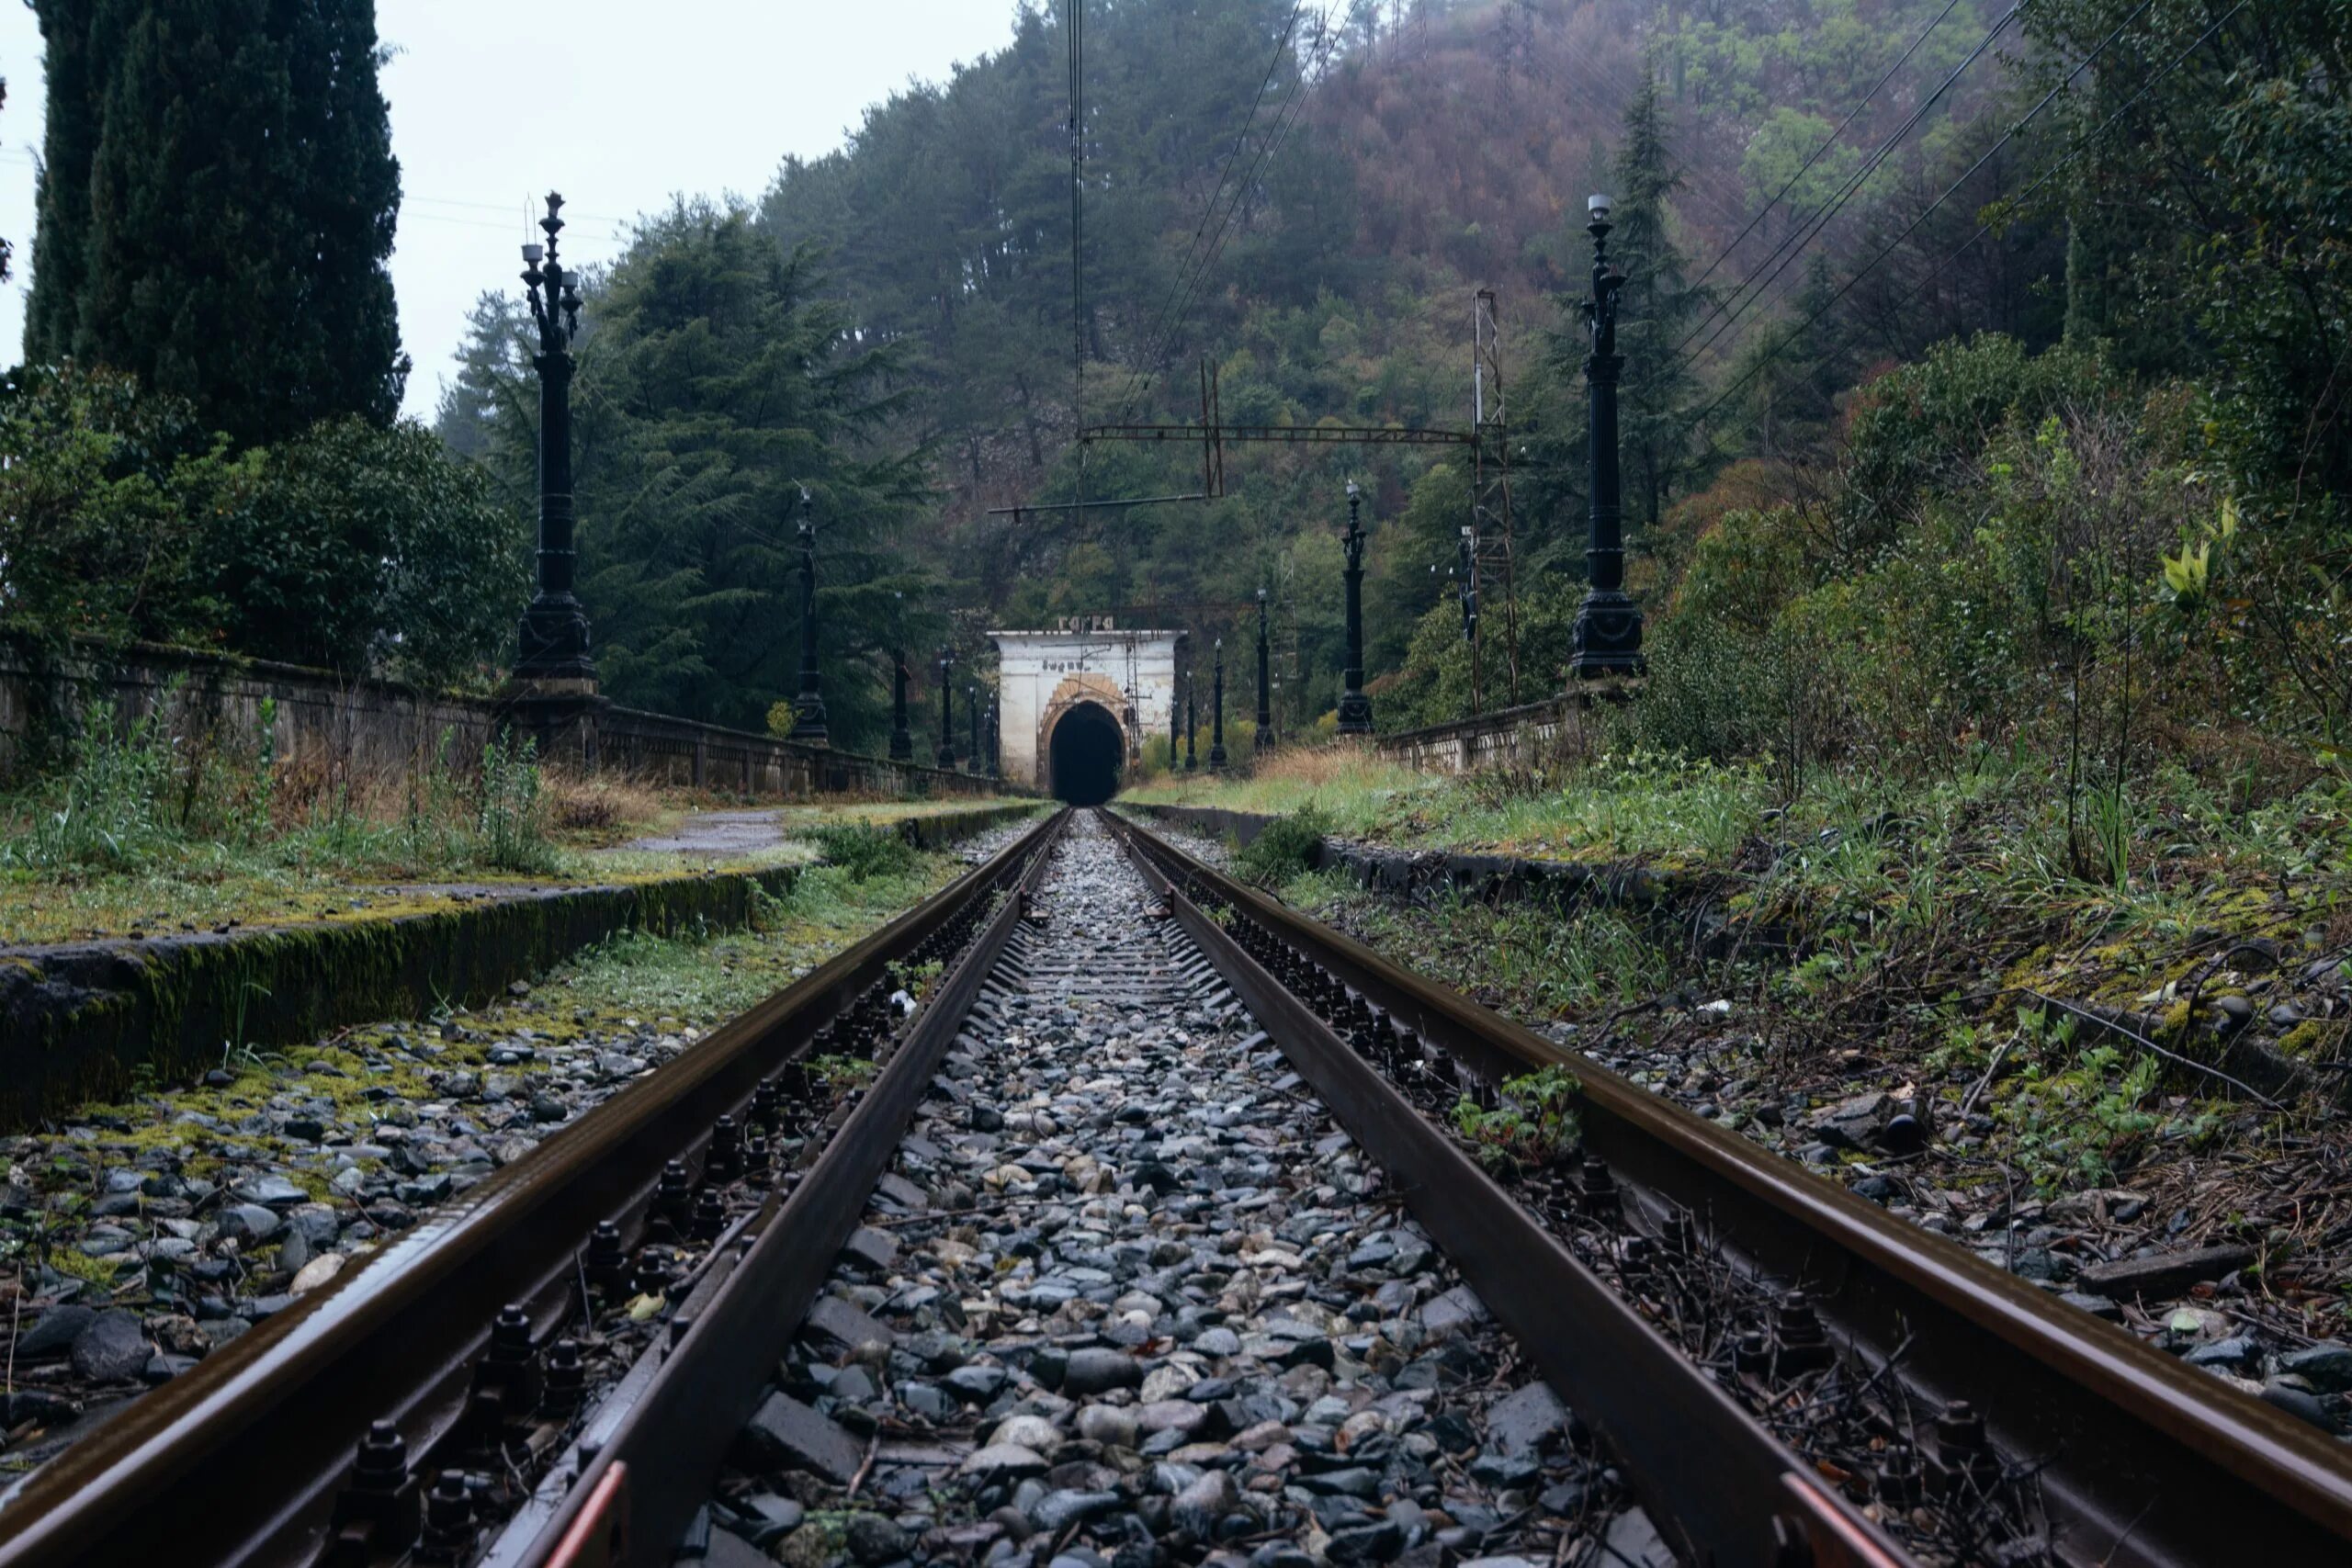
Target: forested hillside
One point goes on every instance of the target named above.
(1308, 198)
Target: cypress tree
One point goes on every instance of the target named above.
(236, 199)
(69, 139)
(1655, 309)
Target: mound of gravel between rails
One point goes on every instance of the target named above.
(1130, 1297)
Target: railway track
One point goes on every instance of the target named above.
(1152, 1233)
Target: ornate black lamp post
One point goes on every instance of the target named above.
(1175, 715)
(809, 707)
(972, 712)
(1191, 723)
(946, 706)
(553, 657)
(1609, 625)
(996, 738)
(1264, 740)
(1217, 731)
(902, 739)
(1355, 708)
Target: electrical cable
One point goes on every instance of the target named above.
(1811, 227)
(1134, 386)
(1827, 142)
(1911, 228)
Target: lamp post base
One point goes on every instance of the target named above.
(902, 746)
(1355, 714)
(553, 643)
(1607, 637)
(808, 721)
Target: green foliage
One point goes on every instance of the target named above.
(510, 816)
(863, 852)
(719, 379)
(218, 206)
(106, 811)
(106, 497)
(1288, 845)
(346, 547)
(1535, 1123)
(356, 548)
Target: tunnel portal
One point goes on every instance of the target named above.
(1088, 753)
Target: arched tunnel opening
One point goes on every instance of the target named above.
(1088, 753)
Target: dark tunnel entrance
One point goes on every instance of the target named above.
(1088, 752)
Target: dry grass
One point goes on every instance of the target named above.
(602, 807)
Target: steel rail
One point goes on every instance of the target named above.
(240, 1459)
(646, 1460)
(2143, 1460)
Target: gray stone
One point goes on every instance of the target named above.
(2301, 1406)
(1376, 1543)
(999, 1464)
(1521, 1422)
(275, 1191)
(1028, 1431)
(873, 1248)
(841, 1328)
(1056, 1511)
(1219, 1341)
(1097, 1371)
(1855, 1122)
(1108, 1424)
(2326, 1366)
(871, 1538)
(1199, 1506)
(55, 1333)
(1633, 1541)
(112, 1348)
(1457, 1309)
(785, 1433)
(246, 1223)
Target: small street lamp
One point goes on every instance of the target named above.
(946, 707)
(1355, 708)
(1608, 639)
(553, 655)
(996, 737)
(1216, 732)
(1264, 740)
(972, 712)
(809, 708)
(902, 737)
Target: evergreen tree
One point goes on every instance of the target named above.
(218, 206)
(716, 379)
(1656, 309)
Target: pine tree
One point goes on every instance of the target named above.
(220, 205)
(1658, 308)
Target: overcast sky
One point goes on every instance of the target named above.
(616, 103)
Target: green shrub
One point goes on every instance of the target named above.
(865, 851)
(510, 816)
(104, 811)
(1287, 847)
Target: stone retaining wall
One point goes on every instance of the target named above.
(380, 731)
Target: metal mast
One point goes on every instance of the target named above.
(1490, 580)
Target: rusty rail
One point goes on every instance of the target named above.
(249, 1458)
(2144, 1460)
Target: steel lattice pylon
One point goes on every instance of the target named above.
(1489, 579)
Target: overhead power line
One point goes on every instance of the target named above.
(1225, 172)
(1908, 230)
(1815, 222)
(1826, 143)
